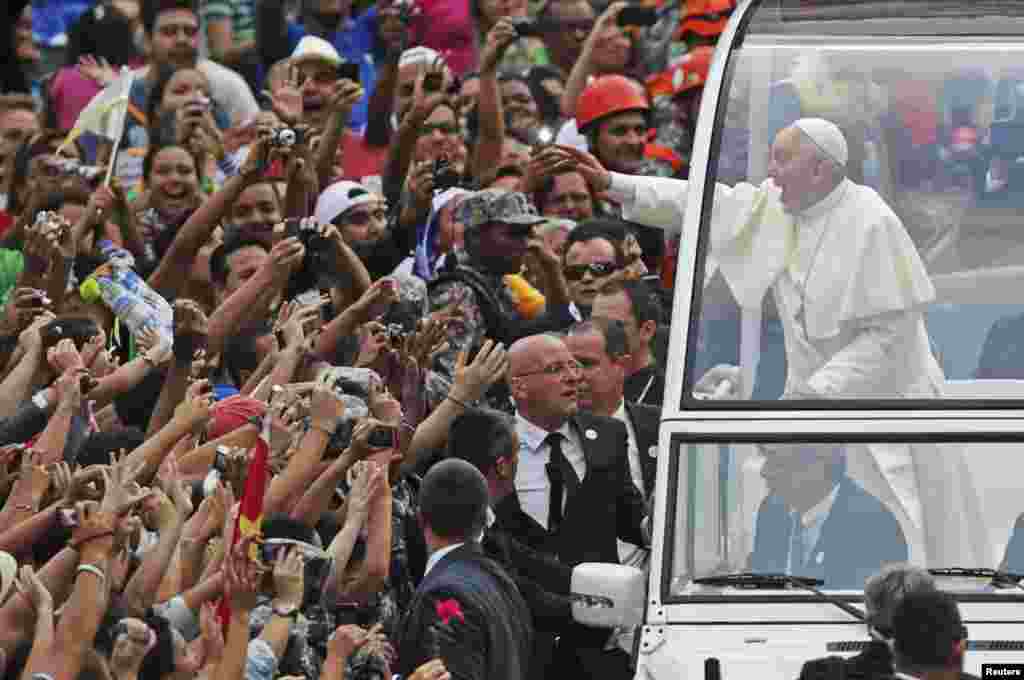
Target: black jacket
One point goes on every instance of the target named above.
(491, 642)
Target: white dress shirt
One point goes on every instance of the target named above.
(532, 484)
(436, 556)
(810, 524)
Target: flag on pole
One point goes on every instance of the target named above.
(105, 113)
(250, 508)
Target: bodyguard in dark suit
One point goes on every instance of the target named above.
(818, 522)
(467, 610)
(574, 496)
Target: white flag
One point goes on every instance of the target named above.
(104, 115)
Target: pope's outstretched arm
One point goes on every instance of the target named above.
(651, 201)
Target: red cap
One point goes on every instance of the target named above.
(233, 413)
(606, 95)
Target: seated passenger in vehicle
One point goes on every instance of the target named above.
(809, 523)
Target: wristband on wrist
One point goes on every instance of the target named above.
(92, 569)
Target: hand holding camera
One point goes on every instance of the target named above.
(502, 34)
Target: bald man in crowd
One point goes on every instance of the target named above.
(574, 493)
(850, 289)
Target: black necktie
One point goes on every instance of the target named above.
(563, 478)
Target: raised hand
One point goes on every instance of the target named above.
(242, 576)
(487, 368)
(344, 95)
(64, 356)
(498, 39)
(431, 670)
(29, 585)
(289, 579)
(286, 100)
(195, 409)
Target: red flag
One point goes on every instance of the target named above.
(250, 508)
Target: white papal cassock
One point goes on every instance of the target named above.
(851, 290)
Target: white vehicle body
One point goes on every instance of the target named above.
(971, 237)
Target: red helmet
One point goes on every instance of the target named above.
(705, 17)
(606, 95)
(686, 74)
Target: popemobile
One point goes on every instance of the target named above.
(845, 387)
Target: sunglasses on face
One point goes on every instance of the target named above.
(575, 272)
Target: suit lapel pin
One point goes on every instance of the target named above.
(819, 558)
(590, 434)
(652, 451)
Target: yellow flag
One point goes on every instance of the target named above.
(104, 115)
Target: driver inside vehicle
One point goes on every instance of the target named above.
(808, 523)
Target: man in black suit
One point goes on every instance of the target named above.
(882, 593)
(601, 346)
(574, 495)
(818, 522)
(467, 610)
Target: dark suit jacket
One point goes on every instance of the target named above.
(605, 507)
(1013, 561)
(646, 420)
(1002, 355)
(493, 642)
(858, 536)
(874, 662)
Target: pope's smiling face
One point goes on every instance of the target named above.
(798, 170)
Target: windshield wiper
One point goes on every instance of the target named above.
(758, 581)
(999, 578)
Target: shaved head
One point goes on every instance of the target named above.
(527, 355)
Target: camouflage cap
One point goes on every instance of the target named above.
(497, 205)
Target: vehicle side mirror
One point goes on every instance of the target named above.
(608, 595)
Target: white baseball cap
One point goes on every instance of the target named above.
(312, 48)
(338, 198)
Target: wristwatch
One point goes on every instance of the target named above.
(286, 611)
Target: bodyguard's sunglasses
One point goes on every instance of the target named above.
(575, 272)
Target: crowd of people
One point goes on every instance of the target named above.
(331, 361)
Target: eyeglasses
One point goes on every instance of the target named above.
(560, 368)
(575, 272)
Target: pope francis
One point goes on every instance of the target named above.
(851, 290)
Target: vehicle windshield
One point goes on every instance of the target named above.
(865, 240)
(840, 511)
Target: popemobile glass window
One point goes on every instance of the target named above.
(864, 237)
(837, 512)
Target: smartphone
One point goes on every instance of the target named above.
(348, 71)
(637, 15)
(383, 437)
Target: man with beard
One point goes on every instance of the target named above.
(362, 218)
(613, 114)
(171, 33)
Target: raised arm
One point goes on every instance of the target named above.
(487, 154)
